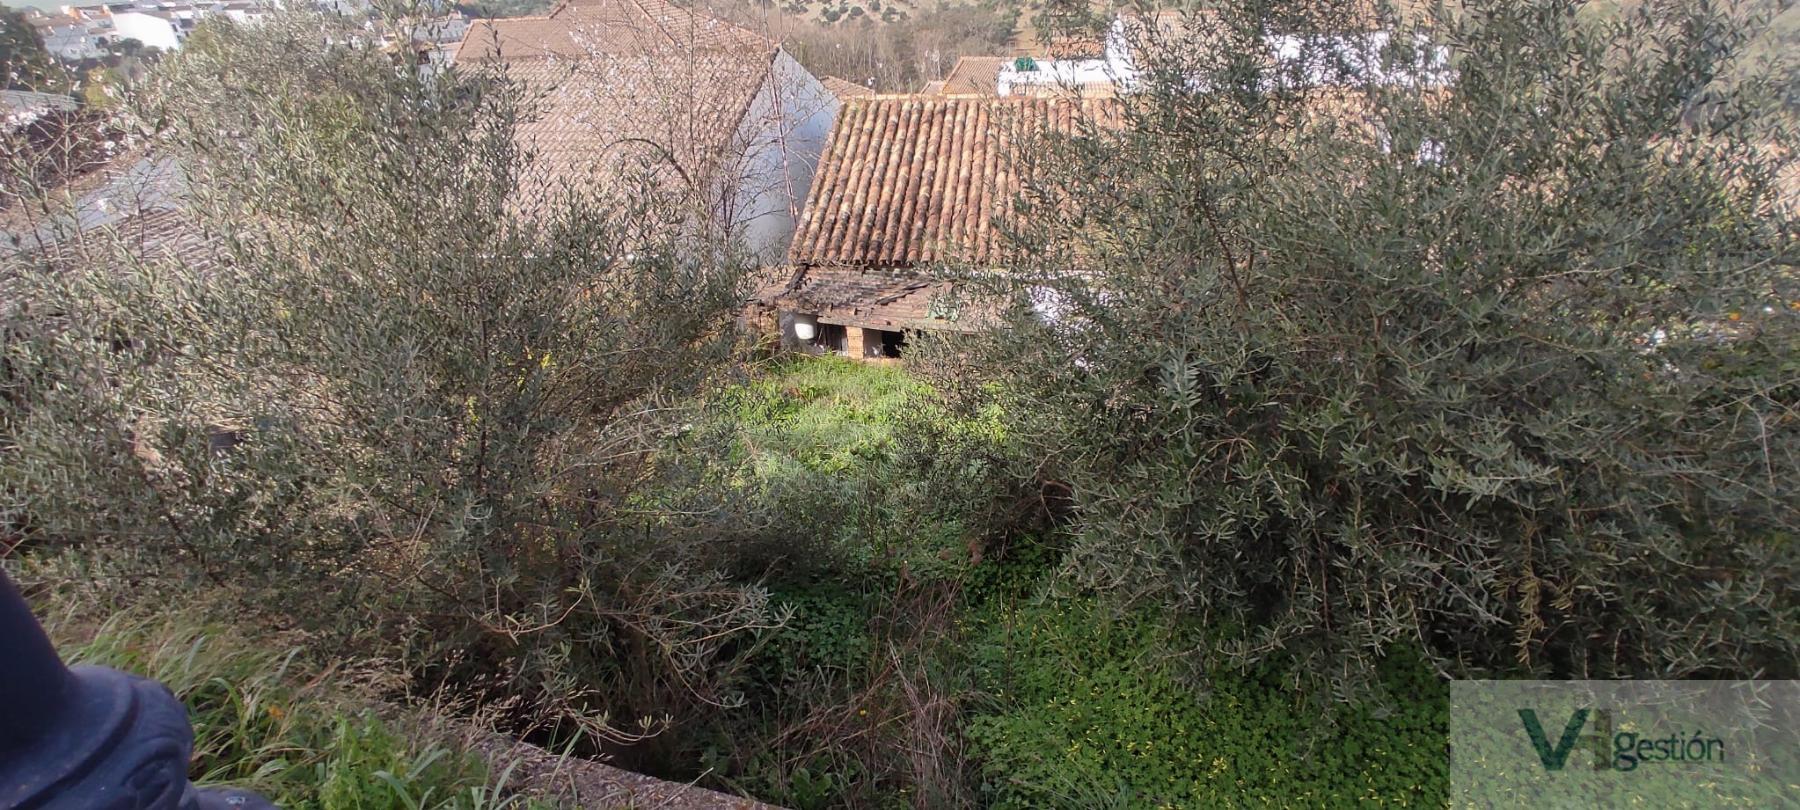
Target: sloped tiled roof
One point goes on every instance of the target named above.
(25, 101)
(844, 89)
(152, 235)
(599, 111)
(132, 182)
(627, 79)
(914, 179)
(165, 234)
(974, 74)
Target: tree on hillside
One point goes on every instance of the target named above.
(505, 8)
(1068, 19)
(1336, 360)
(895, 56)
(129, 47)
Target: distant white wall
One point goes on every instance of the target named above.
(1358, 58)
(782, 135)
(1114, 68)
(1061, 73)
(153, 31)
(1304, 62)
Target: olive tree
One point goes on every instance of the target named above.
(377, 376)
(1477, 337)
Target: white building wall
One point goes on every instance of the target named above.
(1309, 62)
(1068, 74)
(782, 136)
(153, 31)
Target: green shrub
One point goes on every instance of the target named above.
(401, 386)
(848, 469)
(867, 501)
(1088, 710)
(827, 634)
(1503, 369)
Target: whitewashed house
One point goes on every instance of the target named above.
(1113, 65)
(86, 32)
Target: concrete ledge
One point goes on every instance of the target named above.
(572, 782)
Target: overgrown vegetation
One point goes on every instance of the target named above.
(1090, 710)
(264, 721)
(1310, 394)
(1358, 364)
(436, 406)
(930, 659)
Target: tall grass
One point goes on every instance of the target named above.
(819, 414)
(264, 720)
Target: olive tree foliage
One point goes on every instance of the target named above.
(392, 384)
(1501, 366)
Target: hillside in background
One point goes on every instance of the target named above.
(897, 45)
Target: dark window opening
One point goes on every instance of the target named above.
(886, 344)
(832, 338)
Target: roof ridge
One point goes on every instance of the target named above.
(692, 16)
(654, 21)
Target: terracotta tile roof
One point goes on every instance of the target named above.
(913, 179)
(166, 234)
(598, 113)
(579, 28)
(625, 80)
(974, 74)
(145, 235)
(844, 89)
